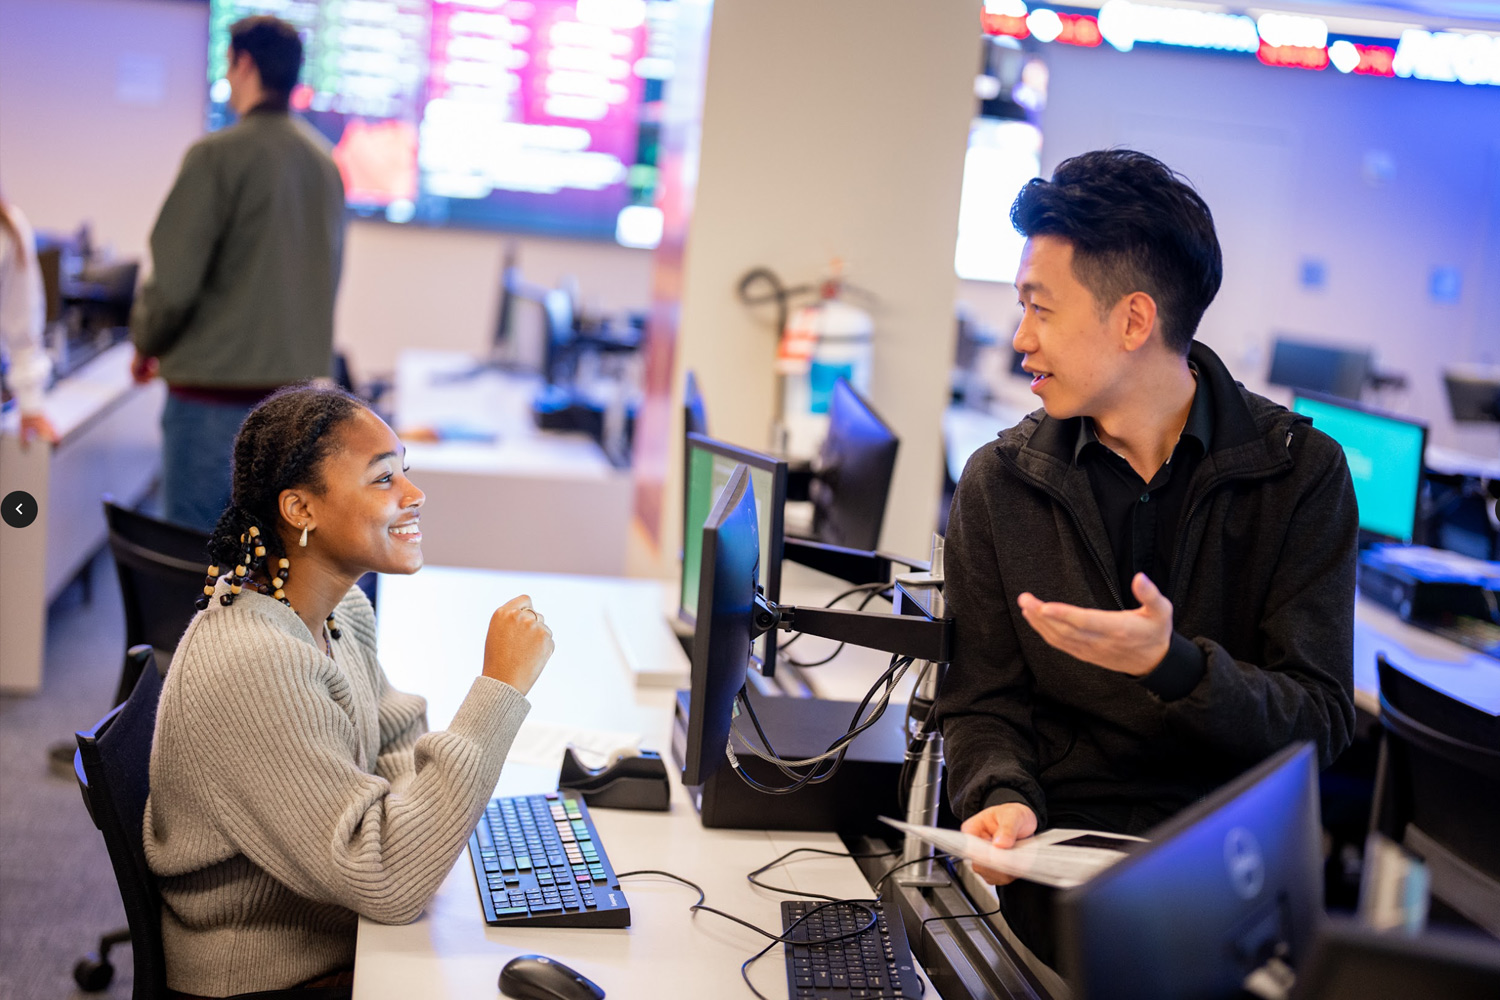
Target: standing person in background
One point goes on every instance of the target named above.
(22, 313)
(246, 255)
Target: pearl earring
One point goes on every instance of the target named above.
(303, 542)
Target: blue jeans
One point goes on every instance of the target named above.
(197, 459)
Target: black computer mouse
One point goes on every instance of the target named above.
(537, 977)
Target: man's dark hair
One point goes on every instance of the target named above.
(280, 446)
(1135, 225)
(274, 47)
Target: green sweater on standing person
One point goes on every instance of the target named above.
(246, 256)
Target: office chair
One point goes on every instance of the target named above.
(113, 767)
(161, 567)
(1436, 785)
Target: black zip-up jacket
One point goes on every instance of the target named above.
(1262, 583)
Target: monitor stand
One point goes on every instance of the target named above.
(863, 788)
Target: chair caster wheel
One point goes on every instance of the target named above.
(92, 973)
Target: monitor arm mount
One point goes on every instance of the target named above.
(919, 628)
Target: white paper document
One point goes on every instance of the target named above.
(1059, 858)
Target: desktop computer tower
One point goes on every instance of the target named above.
(863, 789)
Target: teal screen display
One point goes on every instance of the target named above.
(1385, 462)
(708, 472)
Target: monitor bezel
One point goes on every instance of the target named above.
(1164, 835)
(1369, 535)
(755, 460)
(700, 761)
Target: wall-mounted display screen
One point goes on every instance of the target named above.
(531, 115)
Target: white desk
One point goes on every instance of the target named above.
(1456, 670)
(109, 433)
(527, 500)
(431, 634)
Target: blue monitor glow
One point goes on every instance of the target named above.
(725, 595)
(537, 116)
(709, 466)
(1220, 888)
(1384, 453)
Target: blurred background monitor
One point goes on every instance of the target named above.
(1350, 962)
(1334, 371)
(1221, 888)
(694, 411)
(724, 595)
(710, 465)
(1384, 453)
(852, 474)
(1473, 393)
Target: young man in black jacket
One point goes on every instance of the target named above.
(1152, 578)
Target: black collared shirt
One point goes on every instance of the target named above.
(1142, 520)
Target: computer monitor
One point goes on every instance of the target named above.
(709, 465)
(559, 320)
(852, 474)
(1219, 889)
(694, 412)
(731, 541)
(510, 292)
(1350, 962)
(1473, 393)
(1384, 453)
(1336, 371)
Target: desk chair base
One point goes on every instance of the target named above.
(94, 971)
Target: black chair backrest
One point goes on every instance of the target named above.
(162, 568)
(1440, 770)
(113, 766)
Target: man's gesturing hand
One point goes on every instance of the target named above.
(1132, 642)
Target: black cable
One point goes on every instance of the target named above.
(808, 850)
(839, 747)
(960, 916)
(782, 938)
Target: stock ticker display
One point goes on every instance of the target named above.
(532, 115)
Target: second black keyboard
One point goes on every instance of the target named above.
(876, 963)
(539, 862)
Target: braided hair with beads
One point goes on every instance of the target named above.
(280, 446)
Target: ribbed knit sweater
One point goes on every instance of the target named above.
(292, 791)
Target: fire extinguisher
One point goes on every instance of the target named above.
(821, 342)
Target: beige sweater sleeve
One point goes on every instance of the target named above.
(281, 753)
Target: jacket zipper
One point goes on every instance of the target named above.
(1109, 580)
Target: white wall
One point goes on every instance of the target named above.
(99, 99)
(825, 135)
(1280, 155)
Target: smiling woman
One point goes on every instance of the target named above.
(286, 795)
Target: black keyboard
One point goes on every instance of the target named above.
(539, 863)
(877, 963)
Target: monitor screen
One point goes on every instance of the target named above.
(1337, 371)
(709, 465)
(731, 542)
(852, 475)
(1384, 453)
(539, 116)
(1473, 393)
(1218, 890)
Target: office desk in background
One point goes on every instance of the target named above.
(431, 634)
(528, 499)
(109, 433)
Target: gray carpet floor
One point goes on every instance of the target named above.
(57, 890)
